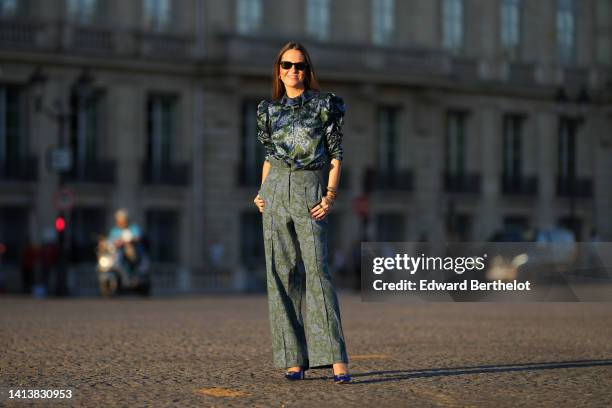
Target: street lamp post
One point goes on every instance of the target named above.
(571, 124)
(584, 102)
(60, 159)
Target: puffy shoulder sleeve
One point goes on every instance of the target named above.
(263, 128)
(332, 116)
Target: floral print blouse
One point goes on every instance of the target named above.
(305, 132)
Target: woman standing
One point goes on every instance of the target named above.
(301, 132)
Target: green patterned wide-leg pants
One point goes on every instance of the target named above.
(290, 234)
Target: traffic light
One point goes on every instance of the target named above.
(60, 229)
(60, 224)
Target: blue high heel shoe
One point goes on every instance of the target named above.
(342, 378)
(295, 375)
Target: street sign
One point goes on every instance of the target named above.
(59, 159)
(63, 199)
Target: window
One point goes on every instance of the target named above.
(569, 182)
(252, 151)
(455, 143)
(383, 14)
(9, 8)
(567, 148)
(13, 232)
(249, 15)
(251, 242)
(82, 11)
(459, 227)
(85, 225)
(512, 146)
(158, 14)
(161, 131)
(387, 140)
(85, 132)
(457, 179)
(12, 129)
(566, 31)
(511, 27)
(389, 228)
(162, 235)
(317, 18)
(452, 24)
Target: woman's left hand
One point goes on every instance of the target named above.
(321, 210)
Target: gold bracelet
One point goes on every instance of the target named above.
(330, 188)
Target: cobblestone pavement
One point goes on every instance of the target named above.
(216, 351)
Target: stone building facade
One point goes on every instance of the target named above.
(464, 117)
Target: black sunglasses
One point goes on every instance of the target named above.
(300, 66)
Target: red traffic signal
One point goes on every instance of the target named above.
(60, 224)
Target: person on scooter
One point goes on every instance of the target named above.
(126, 237)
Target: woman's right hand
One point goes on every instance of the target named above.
(259, 202)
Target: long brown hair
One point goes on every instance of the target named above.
(310, 79)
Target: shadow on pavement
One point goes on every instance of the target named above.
(397, 375)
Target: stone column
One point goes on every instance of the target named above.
(546, 133)
(125, 126)
(198, 196)
(487, 218)
(428, 166)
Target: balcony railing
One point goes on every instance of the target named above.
(576, 76)
(465, 69)
(100, 171)
(64, 36)
(398, 180)
(94, 39)
(519, 185)
(22, 169)
(158, 44)
(19, 34)
(462, 183)
(521, 73)
(354, 56)
(576, 187)
(175, 174)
